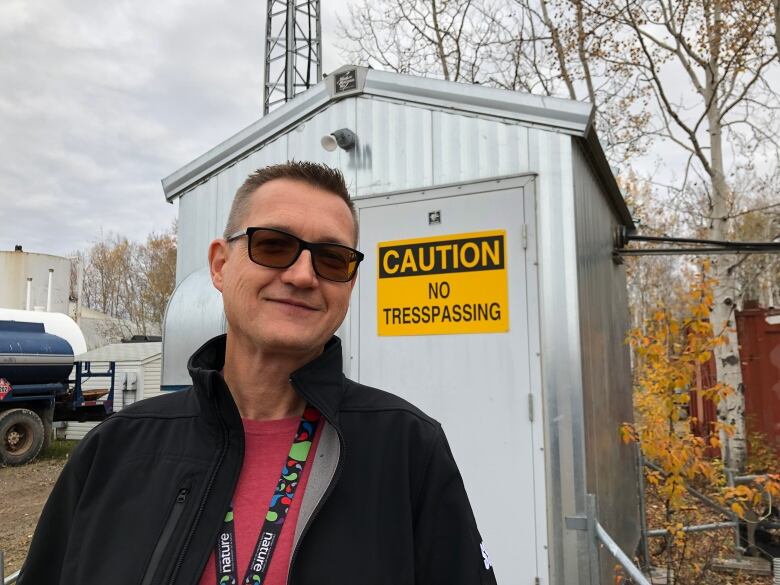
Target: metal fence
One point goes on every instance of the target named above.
(598, 535)
(3, 579)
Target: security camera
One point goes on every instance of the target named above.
(342, 138)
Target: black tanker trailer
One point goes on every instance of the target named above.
(41, 382)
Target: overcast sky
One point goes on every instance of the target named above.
(101, 100)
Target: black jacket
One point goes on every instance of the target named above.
(142, 498)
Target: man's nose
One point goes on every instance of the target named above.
(301, 272)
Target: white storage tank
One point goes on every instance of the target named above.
(22, 271)
(54, 323)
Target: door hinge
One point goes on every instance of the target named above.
(530, 407)
(525, 236)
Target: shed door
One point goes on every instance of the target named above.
(477, 384)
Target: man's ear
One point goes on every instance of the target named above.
(218, 255)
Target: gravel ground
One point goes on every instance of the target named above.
(692, 564)
(24, 491)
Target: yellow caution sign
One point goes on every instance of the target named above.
(443, 285)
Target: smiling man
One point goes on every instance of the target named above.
(273, 467)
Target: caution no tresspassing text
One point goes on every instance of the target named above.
(443, 285)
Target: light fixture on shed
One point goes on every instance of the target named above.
(343, 138)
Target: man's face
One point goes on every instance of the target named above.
(287, 310)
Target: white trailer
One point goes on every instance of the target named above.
(489, 295)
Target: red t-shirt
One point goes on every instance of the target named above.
(267, 444)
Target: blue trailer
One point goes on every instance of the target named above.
(41, 382)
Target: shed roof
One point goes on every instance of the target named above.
(123, 352)
(561, 115)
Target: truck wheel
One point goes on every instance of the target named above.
(21, 436)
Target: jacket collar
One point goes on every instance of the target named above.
(320, 382)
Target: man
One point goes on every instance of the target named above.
(273, 468)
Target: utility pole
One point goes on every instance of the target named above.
(293, 50)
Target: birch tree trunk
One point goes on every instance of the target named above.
(731, 409)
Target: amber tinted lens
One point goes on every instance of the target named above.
(273, 249)
(334, 262)
(276, 249)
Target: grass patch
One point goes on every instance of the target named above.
(59, 449)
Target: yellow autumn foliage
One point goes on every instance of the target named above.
(668, 351)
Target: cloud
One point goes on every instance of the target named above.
(14, 14)
(101, 100)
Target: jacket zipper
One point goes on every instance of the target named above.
(165, 535)
(202, 506)
(319, 506)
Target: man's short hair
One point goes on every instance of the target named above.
(315, 174)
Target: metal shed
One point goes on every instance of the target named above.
(538, 398)
(138, 372)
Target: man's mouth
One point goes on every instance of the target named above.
(295, 303)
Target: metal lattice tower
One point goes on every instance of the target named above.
(293, 50)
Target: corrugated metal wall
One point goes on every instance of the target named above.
(551, 157)
(703, 414)
(607, 389)
(400, 146)
(758, 330)
(468, 148)
(151, 378)
(395, 146)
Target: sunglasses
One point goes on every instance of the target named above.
(277, 249)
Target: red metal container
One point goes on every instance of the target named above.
(758, 330)
(704, 414)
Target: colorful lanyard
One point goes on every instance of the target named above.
(292, 471)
